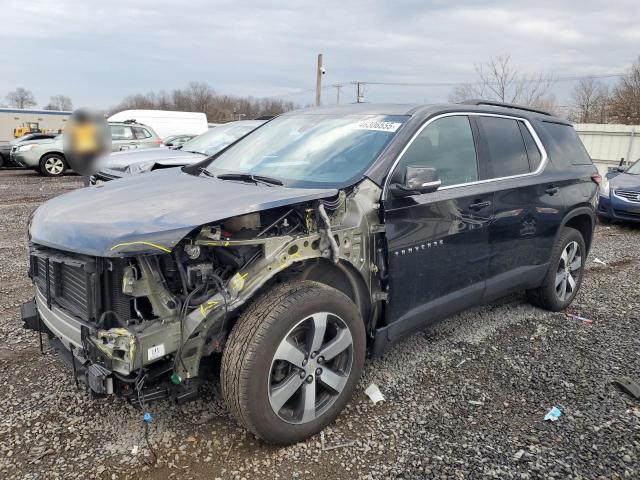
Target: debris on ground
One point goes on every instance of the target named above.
(553, 414)
(599, 262)
(326, 447)
(477, 403)
(518, 455)
(573, 316)
(629, 386)
(374, 393)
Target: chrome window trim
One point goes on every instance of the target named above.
(541, 166)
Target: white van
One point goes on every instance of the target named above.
(166, 122)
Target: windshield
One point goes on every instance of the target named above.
(311, 150)
(634, 169)
(216, 139)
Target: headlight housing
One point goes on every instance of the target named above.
(26, 148)
(605, 189)
(141, 167)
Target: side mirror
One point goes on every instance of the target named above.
(418, 180)
(621, 169)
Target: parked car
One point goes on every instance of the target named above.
(619, 197)
(123, 164)
(176, 141)
(47, 155)
(5, 148)
(321, 237)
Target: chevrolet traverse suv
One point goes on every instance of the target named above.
(279, 264)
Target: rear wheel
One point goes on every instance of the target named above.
(565, 273)
(53, 165)
(292, 361)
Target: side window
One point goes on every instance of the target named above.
(535, 157)
(120, 132)
(568, 143)
(446, 145)
(141, 133)
(507, 153)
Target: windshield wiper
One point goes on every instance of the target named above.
(204, 170)
(248, 177)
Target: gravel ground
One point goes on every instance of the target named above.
(463, 399)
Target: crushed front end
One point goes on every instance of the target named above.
(145, 324)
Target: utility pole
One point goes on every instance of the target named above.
(337, 86)
(319, 74)
(359, 96)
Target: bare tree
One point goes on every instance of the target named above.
(499, 80)
(590, 101)
(59, 102)
(624, 106)
(20, 98)
(201, 97)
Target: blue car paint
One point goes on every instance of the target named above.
(615, 207)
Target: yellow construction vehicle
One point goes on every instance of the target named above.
(27, 127)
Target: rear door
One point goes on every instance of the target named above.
(527, 205)
(438, 243)
(143, 137)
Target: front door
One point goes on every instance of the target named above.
(438, 243)
(122, 138)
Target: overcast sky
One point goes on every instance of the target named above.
(99, 52)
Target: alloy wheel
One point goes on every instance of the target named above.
(310, 368)
(54, 165)
(569, 269)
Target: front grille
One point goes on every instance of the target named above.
(628, 195)
(83, 286)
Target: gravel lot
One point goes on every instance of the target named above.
(465, 398)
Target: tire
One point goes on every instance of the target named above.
(252, 378)
(2, 161)
(52, 165)
(550, 294)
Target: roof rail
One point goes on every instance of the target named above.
(475, 101)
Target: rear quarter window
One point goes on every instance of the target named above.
(568, 144)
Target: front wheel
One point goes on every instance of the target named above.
(293, 361)
(565, 273)
(53, 165)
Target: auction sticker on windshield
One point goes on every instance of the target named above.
(378, 126)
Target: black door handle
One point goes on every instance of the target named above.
(552, 190)
(478, 205)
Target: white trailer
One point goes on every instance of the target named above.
(164, 122)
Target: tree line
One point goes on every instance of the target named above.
(592, 101)
(23, 98)
(200, 97)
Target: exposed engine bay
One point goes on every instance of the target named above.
(183, 301)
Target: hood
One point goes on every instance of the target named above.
(151, 213)
(42, 141)
(626, 181)
(121, 160)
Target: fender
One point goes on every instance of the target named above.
(583, 210)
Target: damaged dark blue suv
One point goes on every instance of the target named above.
(323, 236)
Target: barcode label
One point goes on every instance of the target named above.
(378, 126)
(156, 351)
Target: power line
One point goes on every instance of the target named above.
(564, 78)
